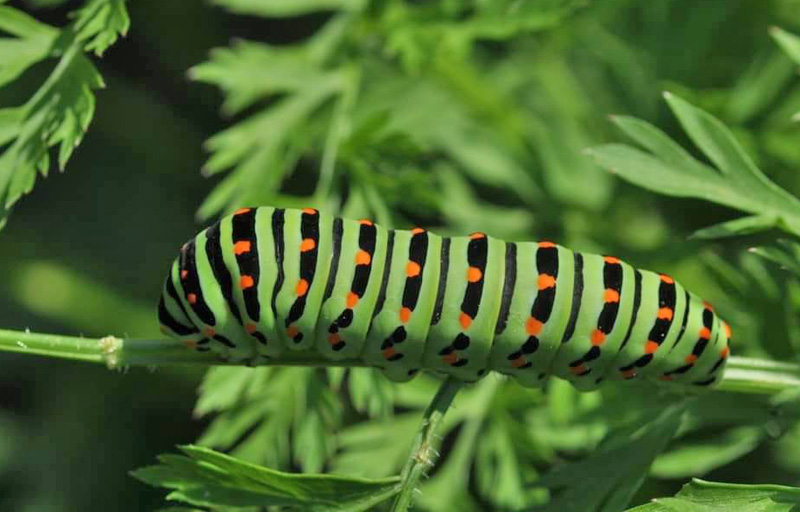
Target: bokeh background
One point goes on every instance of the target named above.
(490, 139)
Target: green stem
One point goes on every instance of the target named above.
(118, 352)
(742, 374)
(423, 454)
(759, 376)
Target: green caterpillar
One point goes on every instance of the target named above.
(264, 282)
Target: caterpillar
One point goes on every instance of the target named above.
(266, 282)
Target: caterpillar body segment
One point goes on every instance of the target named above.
(266, 281)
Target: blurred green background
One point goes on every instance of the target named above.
(485, 134)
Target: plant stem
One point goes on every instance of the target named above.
(118, 352)
(423, 454)
(759, 376)
(742, 374)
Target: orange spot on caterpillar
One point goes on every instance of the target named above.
(533, 326)
(724, 352)
(302, 287)
(413, 269)
(628, 374)
(190, 344)
(705, 333)
(389, 352)
(598, 337)
(209, 332)
(310, 211)
(477, 235)
(250, 328)
(708, 305)
(246, 282)
(184, 274)
(665, 313)
(690, 359)
(519, 362)
(417, 231)
(575, 370)
(405, 315)
(334, 338)
(292, 331)
(352, 300)
(474, 274)
(242, 211)
(191, 298)
(650, 347)
(465, 320)
(308, 244)
(241, 247)
(611, 260)
(546, 281)
(546, 245)
(365, 222)
(611, 295)
(363, 257)
(667, 279)
(451, 358)
(728, 331)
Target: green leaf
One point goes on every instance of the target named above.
(249, 71)
(260, 149)
(702, 496)
(287, 8)
(737, 227)
(589, 485)
(99, 23)
(223, 387)
(790, 43)
(786, 255)
(699, 457)
(32, 44)
(59, 112)
(57, 115)
(668, 169)
(211, 479)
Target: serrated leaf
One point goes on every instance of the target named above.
(99, 23)
(250, 71)
(263, 148)
(208, 478)
(59, 112)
